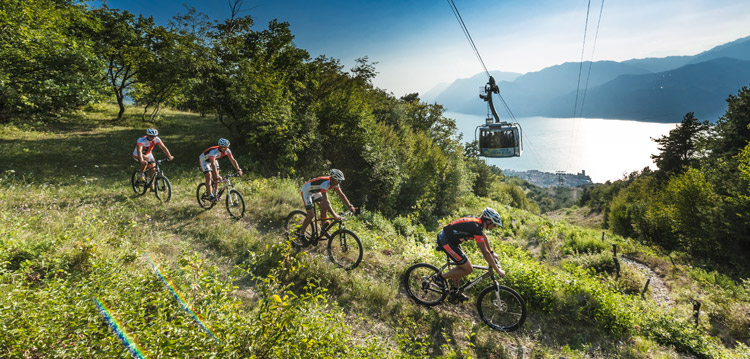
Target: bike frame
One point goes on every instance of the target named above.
(327, 228)
(488, 273)
(157, 170)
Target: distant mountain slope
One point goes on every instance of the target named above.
(651, 89)
(662, 97)
(461, 87)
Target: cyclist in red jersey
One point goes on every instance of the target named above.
(317, 190)
(450, 238)
(142, 152)
(210, 165)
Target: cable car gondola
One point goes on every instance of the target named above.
(497, 139)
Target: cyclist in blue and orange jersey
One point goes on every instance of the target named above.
(450, 238)
(210, 166)
(316, 190)
(142, 152)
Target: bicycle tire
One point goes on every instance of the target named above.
(345, 249)
(202, 196)
(138, 186)
(501, 308)
(292, 223)
(235, 204)
(163, 189)
(420, 287)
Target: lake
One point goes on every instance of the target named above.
(605, 149)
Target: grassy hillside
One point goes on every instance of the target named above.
(76, 247)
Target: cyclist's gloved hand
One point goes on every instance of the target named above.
(170, 158)
(239, 172)
(353, 209)
(143, 162)
(336, 217)
(219, 179)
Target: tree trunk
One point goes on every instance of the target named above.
(120, 102)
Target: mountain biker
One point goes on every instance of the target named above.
(142, 151)
(316, 190)
(450, 238)
(210, 165)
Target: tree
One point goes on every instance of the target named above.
(47, 60)
(123, 42)
(678, 149)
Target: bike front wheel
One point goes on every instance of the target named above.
(162, 189)
(501, 308)
(137, 184)
(203, 197)
(421, 286)
(292, 225)
(345, 249)
(235, 204)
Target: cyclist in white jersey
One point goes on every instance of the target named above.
(316, 190)
(142, 152)
(210, 165)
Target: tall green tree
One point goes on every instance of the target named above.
(47, 61)
(122, 42)
(678, 150)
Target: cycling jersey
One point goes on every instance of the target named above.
(146, 145)
(457, 232)
(464, 229)
(317, 185)
(214, 153)
(210, 154)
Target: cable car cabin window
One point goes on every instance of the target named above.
(499, 142)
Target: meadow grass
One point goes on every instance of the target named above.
(71, 230)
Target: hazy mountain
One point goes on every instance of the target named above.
(471, 85)
(430, 95)
(662, 97)
(651, 89)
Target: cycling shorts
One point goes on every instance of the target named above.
(310, 197)
(149, 158)
(453, 251)
(206, 166)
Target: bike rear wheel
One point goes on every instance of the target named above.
(162, 189)
(345, 249)
(501, 308)
(292, 224)
(137, 184)
(202, 196)
(420, 286)
(235, 204)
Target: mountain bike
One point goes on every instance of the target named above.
(500, 307)
(235, 203)
(344, 247)
(158, 182)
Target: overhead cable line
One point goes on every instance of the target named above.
(591, 63)
(580, 65)
(461, 22)
(466, 33)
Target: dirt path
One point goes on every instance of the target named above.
(659, 290)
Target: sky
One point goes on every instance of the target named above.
(418, 44)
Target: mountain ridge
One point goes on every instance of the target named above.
(702, 89)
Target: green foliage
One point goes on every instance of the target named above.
(48, 65)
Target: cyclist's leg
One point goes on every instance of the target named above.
(308, 219)
(463, 264)
(207, 177)
(149, 163)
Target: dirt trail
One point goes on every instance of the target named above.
(659, 290)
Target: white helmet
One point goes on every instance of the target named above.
(223, 142)
(152, 132)
(493, 216)
(337, 175)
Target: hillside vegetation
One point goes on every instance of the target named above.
(75, 241)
